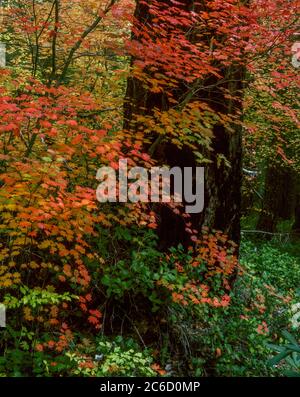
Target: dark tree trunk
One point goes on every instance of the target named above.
(296, 225)
(287, 198)
(279, 200)
(222, 179)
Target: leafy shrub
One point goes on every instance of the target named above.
(275, 264)
(233, 340)
(86, 357)
(50, 217)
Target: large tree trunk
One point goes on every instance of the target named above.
(222, 178)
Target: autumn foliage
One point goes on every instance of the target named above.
(61, 119)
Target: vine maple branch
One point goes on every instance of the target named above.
(77, 45)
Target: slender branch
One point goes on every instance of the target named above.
(47, 19)
(36, 50)
(54, 40)
(77, 45)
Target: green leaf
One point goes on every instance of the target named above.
(293, 348)
(47, 159)
(276, 359)
(275, 348)
(289, 337)
(292, 374)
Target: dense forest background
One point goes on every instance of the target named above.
(145, 289)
